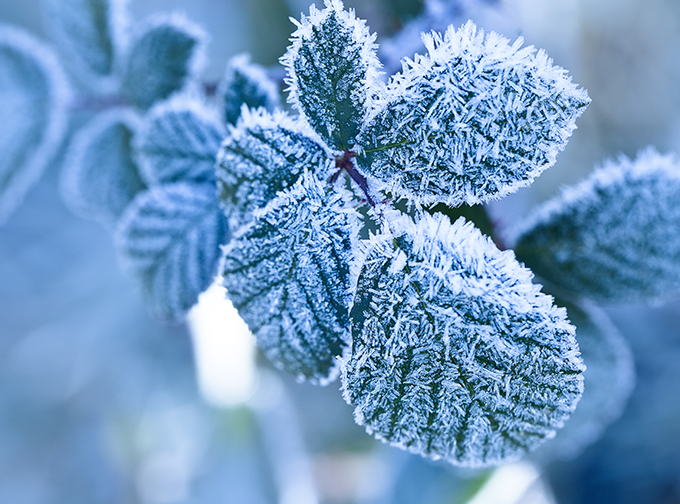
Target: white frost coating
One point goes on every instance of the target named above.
(34, 97)
(169, 238)
(262, 155)
(614, 236)
(166, 54)
(179, 140)
(246, 83)
(92, 36)
(608, 382)
(99, 176)
(287, 273)
(472, 121)
(457, 355)
(333, 72)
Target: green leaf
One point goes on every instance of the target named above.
(261, 156)
(613, 237)
(166, 54)
(179, 141)
(455, 353)
(169, 238)
(33, 100)
(473, 120)
(100, 177)
(88, 33)
(245, 83)
(287, 274)
(331, 66)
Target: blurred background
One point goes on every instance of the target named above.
(99, 403)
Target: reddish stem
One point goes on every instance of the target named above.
(345, 162)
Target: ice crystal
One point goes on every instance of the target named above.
(332, 68)
(100, 177)
(287, 273)
(262, 155)
(34, 97)
(179, 140)
(471, 121)
(166, 54)
(246, 83)
(455, 353)
(613, 237)
(170, 237)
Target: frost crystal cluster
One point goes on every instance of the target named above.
(445, 346)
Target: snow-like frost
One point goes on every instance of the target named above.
(91, 35)
(246, 83)
(333, 71)
(614, 236)
(262, 155)
(608, 382)
(100, 176)
(169, 238)
(455, 353)
(34, 96)
(472, 121)
(165, 55)
(179, 140)
(287, 273)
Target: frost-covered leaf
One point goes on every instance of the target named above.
(473, 120)
(170, 239)
(246, 83)
(261, 156)
(287, 273)
(455, 353)
(89, 33)
(100, 177)
(608, 382)
(179, 141)
(613, 237)
(166, 54)
(33, 101)
(332, 66)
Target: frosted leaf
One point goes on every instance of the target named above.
(169, 238)
(332, 66)
(261, 156)
(89, 33)
(473, 120)
(179, 140)
(100, 177)
(167, 52)
(455, 353)
(33, 100)
(613, 237)
(608, 382)
(246, 83)
(287, 273)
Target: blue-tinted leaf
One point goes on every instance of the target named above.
(179, 141)
(246, 83)
(455, 353)
(261, 156)
(88, 33)
(614, 237)
(288, 276)
(33, 101)
(332, 66)
(473, 120)
(100, 177)
(165, 55)
(170, 239)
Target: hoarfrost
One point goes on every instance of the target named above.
(287, 273)
(455, 353)
(614, 236)
(473, 120)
